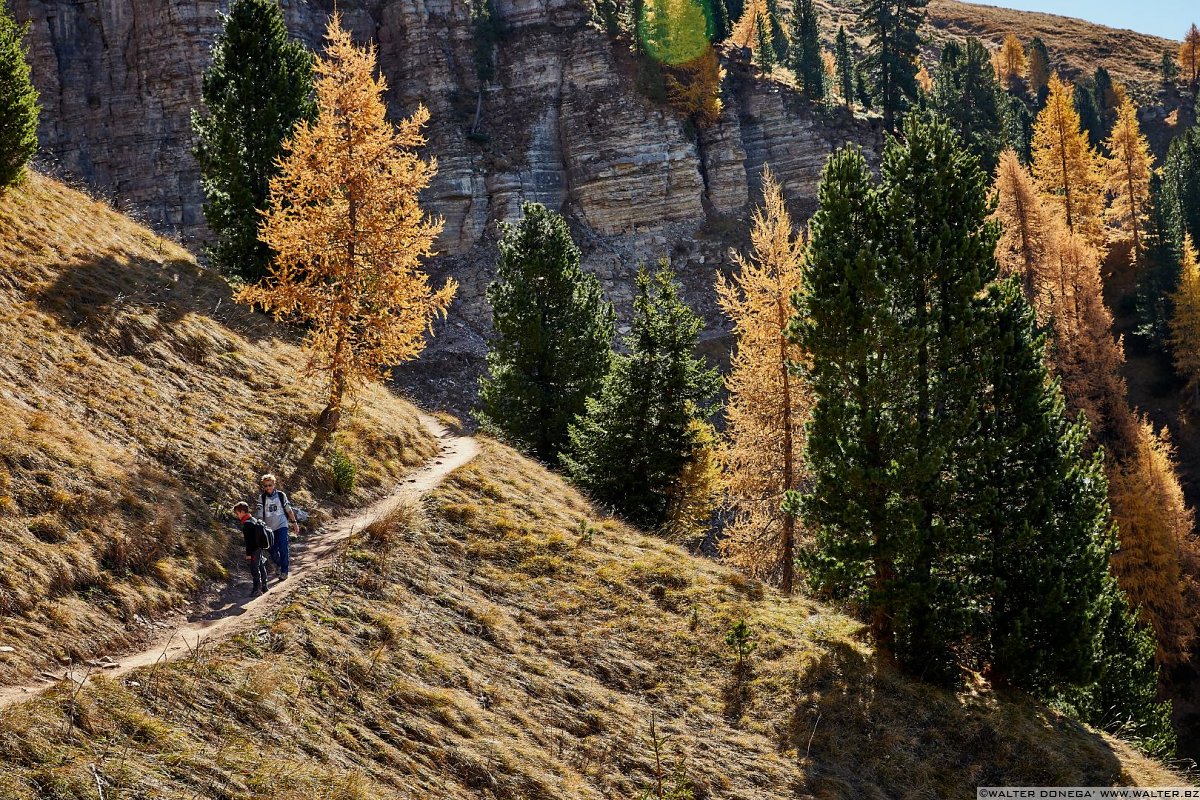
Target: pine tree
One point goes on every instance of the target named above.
(779, 42)
(721, 21)
(805, 56)
(893, 52)
(1169, 69)
(1189, 55)
(1089, 115)
(1012, 62)
(845, 67)
(1158, 276)
(861, 89)
(1181, 186)
(1128, 174)
(1108, 96)
(553, 330)
(18, 103)
(1064, 164)
(941, 247)
(347, 230)
(764, 48)
(768, 405)
(967, 95)
(1185, 321)
(844, 326)
(258, 86)
(630, 448)
(1038, 70)
(1043, 515)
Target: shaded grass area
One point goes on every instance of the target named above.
(508, 641)
(137, 403)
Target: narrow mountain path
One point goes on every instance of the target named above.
(231, 611)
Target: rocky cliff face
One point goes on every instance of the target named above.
(562, 125)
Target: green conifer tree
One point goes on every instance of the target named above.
(258, 86)
(968, 96)
(764, 48)
(1159, 275)
(1043, 512)
(845, 67)
(720, 23)
(779, 42)
(1181, 186)
(892, 53)
(639, 434)
(843, 321)
(1089, 115)
(18, 103)
(1105, 94)
(862, 89)
(553, 339)
(805, 57)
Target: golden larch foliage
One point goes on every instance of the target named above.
(1185, 324)
(1024, 246)
(828, 63)
(1155, 542)
(347, 230)
(1189, 55)
(697, 490)
(743, 34)
(1065, 166)
(1127, 172)
(1010, 60)
(694, 88)
(924, 79)
(1060, 273)
(768, 405)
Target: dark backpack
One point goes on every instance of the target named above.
(264, 535)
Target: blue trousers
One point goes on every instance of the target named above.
(279, 550)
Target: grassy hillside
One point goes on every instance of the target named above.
(137, 402)
(507, 641)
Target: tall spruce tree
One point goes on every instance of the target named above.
(1181, 186)
(258, 86)
(935, 206)
(805, 57)
(1089, 115)
(779, 42)
(844, 62)
(553, 339)
(1159, 273)
(968, 96)
(844, 323)
(18, 103)
(892, 53)
(764, 48)
(1044, 518)
(638, 435)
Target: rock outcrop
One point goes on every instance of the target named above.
(561, 124)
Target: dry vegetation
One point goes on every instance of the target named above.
(508, 641)
(136, 403)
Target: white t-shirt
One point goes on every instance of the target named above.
(274, 513)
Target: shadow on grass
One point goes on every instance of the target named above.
(124, 305)
(860, 729)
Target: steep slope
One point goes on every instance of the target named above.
(506, 640)
(137, 403)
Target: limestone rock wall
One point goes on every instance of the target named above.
(561, 124)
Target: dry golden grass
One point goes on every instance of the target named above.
(508, 641)
(137, 403)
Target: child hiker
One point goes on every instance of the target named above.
(276, 512)
(258, 541)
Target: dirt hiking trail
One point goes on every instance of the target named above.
(232, 610)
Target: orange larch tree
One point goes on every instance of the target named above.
(1155, 529)
(1010, 59)
(1189, 55)
(1127, 172)
(347, 230)
(1065, 166)
(768, 404)
(1024, 246)
(1185, 323)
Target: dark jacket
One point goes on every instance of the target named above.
(255, 535)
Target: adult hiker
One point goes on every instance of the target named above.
(258, 540)
(275, 510)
